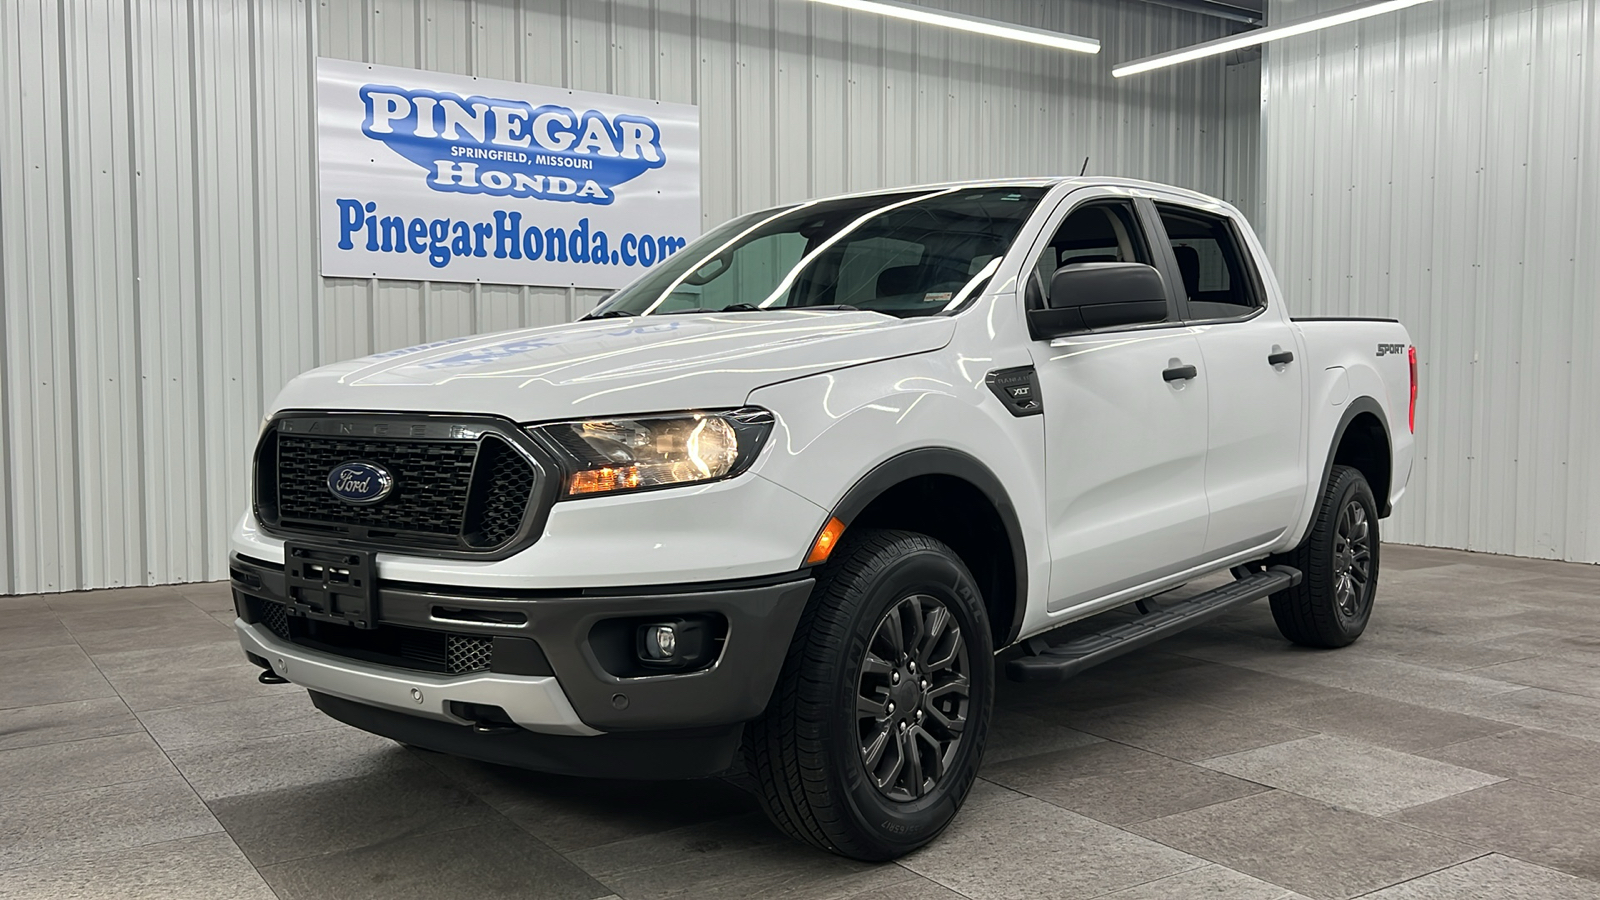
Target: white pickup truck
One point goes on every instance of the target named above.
(778, 505)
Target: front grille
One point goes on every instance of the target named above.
(390, 645)
(432, 481)
(466, 494)
(508, 482)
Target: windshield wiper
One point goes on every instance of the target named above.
(608, 314)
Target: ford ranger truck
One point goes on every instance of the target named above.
(775, 507)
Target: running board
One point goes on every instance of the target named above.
(1063, 661)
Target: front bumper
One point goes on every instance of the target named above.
(579, 695)
(536, 703)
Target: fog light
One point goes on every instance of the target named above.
(661, 641)
(684, 643)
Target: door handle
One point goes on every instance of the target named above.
(1179, 373)
(1281, 358)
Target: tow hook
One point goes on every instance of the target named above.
(268, 676)
(492, 728)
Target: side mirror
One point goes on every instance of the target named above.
(1090, 296)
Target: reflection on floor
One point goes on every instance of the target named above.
(1454, 752)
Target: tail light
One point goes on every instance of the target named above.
(1412, 356)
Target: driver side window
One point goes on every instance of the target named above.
(1106, 231)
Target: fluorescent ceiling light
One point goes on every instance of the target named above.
(1262, 35)
(925, 16)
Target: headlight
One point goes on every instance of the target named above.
(605, 456)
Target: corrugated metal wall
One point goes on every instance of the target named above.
(157, 254)
(1440, 165)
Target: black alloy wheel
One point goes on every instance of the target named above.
(1338, 560)
(1352, 561)
(912, 698)
(875, 729)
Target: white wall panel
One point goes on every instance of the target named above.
(1438, 165)
(158, 267)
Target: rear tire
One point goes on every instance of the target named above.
(1332, 604)
(876, 728)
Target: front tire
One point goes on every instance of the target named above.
(1332, 604)
(876, 728)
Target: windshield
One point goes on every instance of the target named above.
(915, 253)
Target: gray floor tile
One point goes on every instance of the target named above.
(114, 599)
(1031, 849)
(31, 726)
(56, 829)
(914, 888)
(1556, 673)
(1403, 558)
(706, 841)
(1392, 679)
(228, 721)
(277, 826)
(209, 867)
(1085, 692)
(191, 629)
(253, 766)
(1118, 784)
(1104, 758)
(579, 813)
(1493, 877)
(1306, 845)
(1474, 571)
(24, 603)
(1579, 579)
(1558, 830)
(1566, 714)
(1430, 648)
(1166, 788)
(1013, 735)
(710, 866)
(47, 675)
(1387, 723)
(80, 765)
(211, 596)
(986, 793)
(217, 670)
(1183, 730)
(1537, 757)
(480, 863)
(36, 631)
(1214, 882)
(1546, 641)
(1351, 774)
(1241, 690)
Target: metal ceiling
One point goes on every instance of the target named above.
(1248, 12)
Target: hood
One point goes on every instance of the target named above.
(615, 366)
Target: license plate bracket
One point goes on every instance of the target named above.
(331, 584)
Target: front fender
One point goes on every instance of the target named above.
(835, 430)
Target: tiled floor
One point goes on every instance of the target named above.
(1453, 753)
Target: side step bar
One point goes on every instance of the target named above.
(1063, 661)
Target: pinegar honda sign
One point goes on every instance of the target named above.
(437, 177)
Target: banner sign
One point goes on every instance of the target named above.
(438, 177)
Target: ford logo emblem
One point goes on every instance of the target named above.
(360, 482)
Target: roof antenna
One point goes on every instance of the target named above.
(1085, 167)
